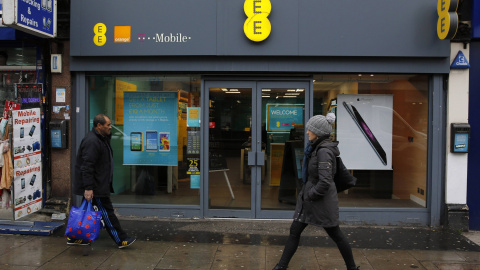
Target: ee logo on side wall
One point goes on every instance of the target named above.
(447, 23)
(257, 27)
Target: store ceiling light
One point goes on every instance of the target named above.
(291, 90)
(266, 90)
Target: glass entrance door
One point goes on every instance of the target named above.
(250, 123)
(282, 113)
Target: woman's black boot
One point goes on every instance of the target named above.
(278, 267)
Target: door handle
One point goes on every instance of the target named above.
(260, 158)
(252, 158)
(256, 158)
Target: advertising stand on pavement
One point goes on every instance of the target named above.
(27, 162)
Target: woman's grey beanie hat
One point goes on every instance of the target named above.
(321, 125)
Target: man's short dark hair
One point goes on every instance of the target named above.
(99, 119)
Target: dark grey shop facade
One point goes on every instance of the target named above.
(222, 151)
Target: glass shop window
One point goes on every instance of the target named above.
(155, 136)
(382, 126)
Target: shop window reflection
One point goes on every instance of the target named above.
(404, 185)
(164, 174)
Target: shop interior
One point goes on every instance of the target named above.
(229, 140)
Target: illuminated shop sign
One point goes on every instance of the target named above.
(257, 27)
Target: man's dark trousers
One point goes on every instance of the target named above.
(112, 225)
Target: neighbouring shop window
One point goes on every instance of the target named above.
(382, 127)
(155, 136)
(17, 65)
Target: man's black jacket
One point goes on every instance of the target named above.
(93, 165)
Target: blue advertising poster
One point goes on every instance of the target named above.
(55, 134)
(194, 181)
(193, 116)
(37, 15)
(150, 126)
(283, 117)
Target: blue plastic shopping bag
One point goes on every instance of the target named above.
(84, 223)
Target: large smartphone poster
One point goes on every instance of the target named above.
(150, 126)
(27, 162)
(283, 117)
(364, 130)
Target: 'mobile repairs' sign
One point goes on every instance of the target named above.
(36, 17)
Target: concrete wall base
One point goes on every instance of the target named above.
(457, 217)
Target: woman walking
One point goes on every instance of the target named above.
(317, 202)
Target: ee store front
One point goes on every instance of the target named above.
(208, 111)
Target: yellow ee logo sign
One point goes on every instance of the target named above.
(257, 27)
(100, 29)
(447, 23)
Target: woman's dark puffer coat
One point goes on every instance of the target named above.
(317, 202)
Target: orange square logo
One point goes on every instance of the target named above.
(122, 34)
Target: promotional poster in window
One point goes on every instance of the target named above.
(364, 130)
(151, 128)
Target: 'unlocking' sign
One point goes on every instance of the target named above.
(257, 26)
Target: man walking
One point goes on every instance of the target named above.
(94, 176)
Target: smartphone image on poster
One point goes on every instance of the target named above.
(136, 141)
(22, 132)
(164, 141)
(32, 130)
(362, 125)
(32, 181)
(152, 140)
(23, 183)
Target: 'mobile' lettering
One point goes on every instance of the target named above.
(26, 113)
(178, 37)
